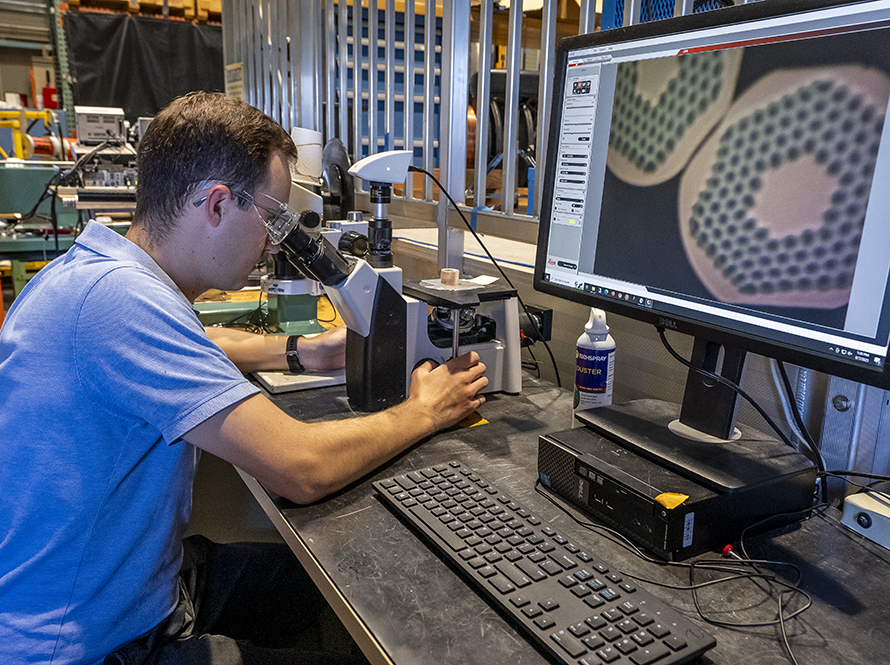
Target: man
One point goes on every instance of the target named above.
(109, 385)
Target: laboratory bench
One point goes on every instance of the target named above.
(403, 604)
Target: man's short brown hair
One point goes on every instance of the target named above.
(202, 137)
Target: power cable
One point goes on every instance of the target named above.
(493, 261)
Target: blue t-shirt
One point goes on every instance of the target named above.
(103, 367)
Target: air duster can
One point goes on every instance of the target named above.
(594, 364)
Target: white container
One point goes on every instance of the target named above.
(594, 364)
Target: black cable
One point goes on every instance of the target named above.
(256, 319)
(798, 420)
(535, 362)
(842, 475)
(43, 196)
(493, 261)
(69, 177)
(858, 474)
(732, 573)
(726, 382)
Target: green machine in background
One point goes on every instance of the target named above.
(293, 299)
(21, 186)
(290, 305)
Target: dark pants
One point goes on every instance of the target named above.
(243, 604)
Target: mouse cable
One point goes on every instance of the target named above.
(493, 261)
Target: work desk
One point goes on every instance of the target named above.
(402, 604)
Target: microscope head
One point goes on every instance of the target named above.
(384, 168)
(382, 171)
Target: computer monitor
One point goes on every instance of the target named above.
(726, 175)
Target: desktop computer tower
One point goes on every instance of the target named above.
(660, 510)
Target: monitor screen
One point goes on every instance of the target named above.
(727, 174)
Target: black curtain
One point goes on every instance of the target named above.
(140, 63)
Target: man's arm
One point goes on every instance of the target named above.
(251, 352)
(305, 462)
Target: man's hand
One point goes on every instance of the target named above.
(326, 350)
(450, 392)
(307, 461)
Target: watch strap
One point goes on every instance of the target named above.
(293, 358)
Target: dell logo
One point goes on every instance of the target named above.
(667, 323)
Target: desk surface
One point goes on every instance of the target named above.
(404, 605)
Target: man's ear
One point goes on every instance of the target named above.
(219, 200)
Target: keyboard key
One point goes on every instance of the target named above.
(595, 621)
(544, 622)
(659, 630)
(404, 482)
(649, 654)
(608, 654)
(594, 602)
(627, 626)
(593, 642)
(643, 619)
(569, 644)
(579, 629)
(596, 584)
(568, 581)
(551, 567)
(675, 642)
(513, 574)
(581, 591)
(628, 607)
(610, 634)
(531, 571)
(612, 615)
(564, 560)
(502, 584)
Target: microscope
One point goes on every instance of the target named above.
(293, 296)
(390, 329)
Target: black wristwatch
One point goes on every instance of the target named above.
(293, 358)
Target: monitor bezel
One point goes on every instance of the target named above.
(722, 335)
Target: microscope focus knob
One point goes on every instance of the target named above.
(309, 219)
(354, 243)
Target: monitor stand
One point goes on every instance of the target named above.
(699, 440)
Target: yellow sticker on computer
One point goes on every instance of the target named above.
(671, 500)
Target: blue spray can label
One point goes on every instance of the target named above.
(594, 364)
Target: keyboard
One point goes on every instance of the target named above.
(562, 597)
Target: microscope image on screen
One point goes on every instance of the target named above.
(769, 160)
(663, 110)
